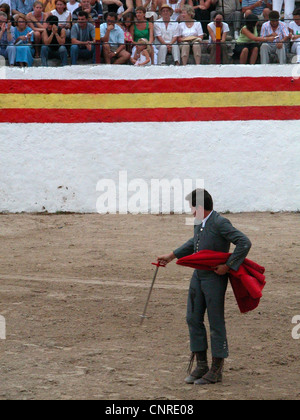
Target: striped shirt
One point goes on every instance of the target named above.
(282, 31)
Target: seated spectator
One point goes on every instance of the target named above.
(141, 55)
(63, 15)
(259, 8)
(190, 35)
(49, 5)
(72, 5)
(23, 41)
(126, 24)
(247, 44)
(151, 9)
(176, 5)
(294, 28)
(274, 26)
(166, 33)
(85, 6)
(212, 28)
(21, 7)
(289, 6)
(5, 8)
(7, 40)
(232, 14)
(144, 29)
(113, 41)
(37, 22)
(83, 39)
(202, 9)
(54, 39)
(121, 8)
(98, 6)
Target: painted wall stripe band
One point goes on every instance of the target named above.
(148, 100)
(218, 84)
(149, 115)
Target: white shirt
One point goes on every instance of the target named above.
(296, 29)
(72, 7)
(195, 30)
(166, 33)
(206, 219)
(61, 18)
(225, 29)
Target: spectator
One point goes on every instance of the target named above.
(72, 5)
(37, 22)
(232, 12)
(63, 15)
(85, 6)
(83, 39)
(5, 8)
(7, 39)
(49, 5)
(289, 6)
(98, 6)
(126, 25)
(166, 33)
(144, 29)
(190, 34)
(141, 56)
(120, 7)
(278, 45)
(176, 5)
(247, 44)
(212, 28)
(21, 7)
(23, 41)
(112, 37)
(294, 28)
(203, 9)
(151, 9)
(259, 8)
(54, 38)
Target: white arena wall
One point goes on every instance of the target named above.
(247, 165)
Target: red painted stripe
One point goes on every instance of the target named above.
(148, 115)
(221, 84)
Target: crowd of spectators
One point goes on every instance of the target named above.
(144, 32)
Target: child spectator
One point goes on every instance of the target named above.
(141, 55)
(126, 24)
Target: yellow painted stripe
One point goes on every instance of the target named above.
(149, 100)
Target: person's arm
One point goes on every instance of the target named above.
(212, 34)
(61, 39)
(240, 240)
(259, 3)
(151, 33)
(252, 37)
(145, 54)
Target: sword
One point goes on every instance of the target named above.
(158, 264)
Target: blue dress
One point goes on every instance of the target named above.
(24, 53)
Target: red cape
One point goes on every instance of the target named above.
(247, 283)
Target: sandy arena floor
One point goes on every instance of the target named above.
(73, 287)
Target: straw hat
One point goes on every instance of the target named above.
(166, 6)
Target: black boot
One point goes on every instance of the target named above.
(214, 375)
(201, 369)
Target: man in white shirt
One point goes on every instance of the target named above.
(294, 28)
(166, 35)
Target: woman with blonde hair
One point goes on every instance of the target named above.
(190, 35)
(37, 22)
